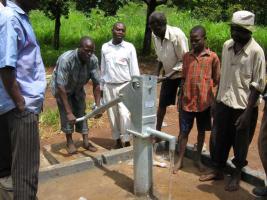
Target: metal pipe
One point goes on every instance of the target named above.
(101, 109)
(165, 136)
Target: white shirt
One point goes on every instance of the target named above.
(239, 72)
(170, 51)
(118, 62)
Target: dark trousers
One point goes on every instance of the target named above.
(227, 136)
(262, 141)
(20, 152)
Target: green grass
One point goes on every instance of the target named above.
(49, 123)
(133, 15)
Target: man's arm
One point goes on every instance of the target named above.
(216, 71)
(244, 120)
(158, 68)
(134, 68)
(64, 98)
(97, 93)
(11, 86)
(61, 80)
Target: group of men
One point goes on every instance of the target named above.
(240, 79)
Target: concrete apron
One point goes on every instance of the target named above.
(119, 155)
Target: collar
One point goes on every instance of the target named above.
(246, 49)
(77, 57)
(206, 52)
(167, 32)
(117, 45)
(15, 7)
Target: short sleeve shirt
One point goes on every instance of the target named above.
(200, 74)
(72, 74)
(170, 51)
(240, 71)
(19, 50)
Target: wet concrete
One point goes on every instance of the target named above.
(115, 182)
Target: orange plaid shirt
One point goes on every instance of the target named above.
(200, 74)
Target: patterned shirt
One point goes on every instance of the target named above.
(72, 74)
(200, 74)
(20, 50)
(170, 51)
(240, 71)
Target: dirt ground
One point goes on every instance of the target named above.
(100, 133)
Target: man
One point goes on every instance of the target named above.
(242, 80)
(22, 89)
(170, 45)
(73, 70)
(118, 65)
(201, 72)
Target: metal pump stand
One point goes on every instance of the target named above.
(139, 96)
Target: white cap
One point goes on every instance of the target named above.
(244, 19)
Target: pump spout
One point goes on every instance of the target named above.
(165, 136)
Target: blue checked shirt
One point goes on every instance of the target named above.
(72, 74)
(19, 50)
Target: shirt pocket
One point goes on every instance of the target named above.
(121, 61)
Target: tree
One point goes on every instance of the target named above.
(110, 7)
(222, 10)
(151, 7)
(54, 9)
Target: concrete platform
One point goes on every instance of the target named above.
(115, 182)
(108, 174)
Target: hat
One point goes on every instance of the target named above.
(245, 19)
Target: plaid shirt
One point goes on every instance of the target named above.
(200, 74)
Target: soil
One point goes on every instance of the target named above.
(100, 132)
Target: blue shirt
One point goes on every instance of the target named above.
(19, 50)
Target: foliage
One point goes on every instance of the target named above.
(221, 10)
(99, 28)
(53, 8)
(110, 7)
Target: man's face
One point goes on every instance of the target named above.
(197, 41)
(86, 50)
(118, 32)
(240, 34)
(158, 28)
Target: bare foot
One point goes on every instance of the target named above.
(233, 184)
(89, 147)
(177, 167)
(71, 149)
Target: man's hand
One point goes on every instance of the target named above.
(243, 121)
(71, 118)
(160, 79)
(21, 105)
(98, 115)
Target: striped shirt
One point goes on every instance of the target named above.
(72, 74)
(200, 74)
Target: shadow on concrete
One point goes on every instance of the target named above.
(103, 142)
(123, 181)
